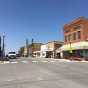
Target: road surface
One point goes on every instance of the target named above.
(43, 73)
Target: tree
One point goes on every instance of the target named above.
(21, 51)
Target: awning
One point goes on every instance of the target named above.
(74, 46)
(36, 51)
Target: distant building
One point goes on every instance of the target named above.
(35, 48)
(49, 50)
(75, 39)
(26, 52)
(21, 51)
(44, 50)
(30, 50)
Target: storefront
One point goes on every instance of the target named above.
(36, 54)
(46, 54)
(75, 50)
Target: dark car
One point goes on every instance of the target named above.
(18, 55)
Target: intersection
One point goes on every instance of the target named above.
(43, 73)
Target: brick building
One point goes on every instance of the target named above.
(76, 39)
(30, 49)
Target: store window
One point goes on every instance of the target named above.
(66, 30)
(69, 37)
(77, 27)
(65, 38)
(78, 35)
(74, 36)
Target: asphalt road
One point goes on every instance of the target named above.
(43, 73)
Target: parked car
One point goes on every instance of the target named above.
(18, 55)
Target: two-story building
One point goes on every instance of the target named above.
(75, 39)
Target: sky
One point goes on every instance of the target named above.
(42, 20)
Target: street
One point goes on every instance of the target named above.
(43, 73)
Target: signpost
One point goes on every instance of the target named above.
(32, 47)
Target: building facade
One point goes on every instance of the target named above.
(49, 50)
(76, 39)
(76, 31)
(35, 48)
(44, 50)
(30, 50)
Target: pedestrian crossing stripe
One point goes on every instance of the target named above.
(42, 61)
(52, 61)
(14, 62)
(24, 61)
(6, 62)
(34, 61)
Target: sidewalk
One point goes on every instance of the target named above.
(60, 60)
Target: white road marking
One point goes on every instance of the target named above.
(2, 63)
(52, 61)
(63, 60)
(14, 62)
(44, 61)
(35, 61)
(6, 62)
(24, 61)
(10, 80)
(39, 78)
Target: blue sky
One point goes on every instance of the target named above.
(42, 20)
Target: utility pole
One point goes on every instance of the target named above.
(27, 43)
(32, 47)
(3, 47)
(0, 48)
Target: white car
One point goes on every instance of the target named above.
(12, 55)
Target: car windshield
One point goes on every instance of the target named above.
(12, 53)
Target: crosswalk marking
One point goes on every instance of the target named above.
(6, 62)
(24, 61)
(34, 61)
(40, 61)
(52, 61)
(14, 62)
(44, 61)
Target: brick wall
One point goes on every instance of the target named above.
(74, 29)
